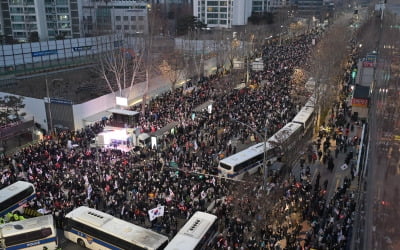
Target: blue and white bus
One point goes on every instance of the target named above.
(93, 229)
(32, 234)
(248, 161)
(197, 233)
(14, 196)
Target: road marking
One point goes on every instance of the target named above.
(337, 184)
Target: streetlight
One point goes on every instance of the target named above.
(264, 137)
(49, 102)
(280, 36)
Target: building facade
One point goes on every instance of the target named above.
(105, 17)
(228, 13)
(308, 8)
(222, 13)
(21, 20)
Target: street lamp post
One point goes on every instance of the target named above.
(264, 137)
(280, 36)
(49, 102)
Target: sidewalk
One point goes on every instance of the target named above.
(335, 177)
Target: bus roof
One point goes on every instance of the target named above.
(117, 227)
(14, 228)
(123, 112)
(166, 129)
(284, 133)
(246, 154)
(303, 116)
(192, 232)
(311, 102)
(12, 189)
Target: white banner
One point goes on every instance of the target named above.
(156, 212)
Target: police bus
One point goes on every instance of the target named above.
(197, 233)
(14, 196)
(248, 161)
(94, 229)
(34, 234)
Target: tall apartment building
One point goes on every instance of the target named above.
(49, 18)
(261, 6)
(222, 13)
(310, 7)
(105, 17)
(228, 13)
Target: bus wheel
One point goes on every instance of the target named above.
(81, 243)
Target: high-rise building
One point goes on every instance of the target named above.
(23, 19)
(228, 13)
(222, 13)
(105, 17)
(310, 7)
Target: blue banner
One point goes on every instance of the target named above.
(82, 48)
(60, 101)
(44, 53)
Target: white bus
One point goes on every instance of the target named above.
(287, 137)
(14, 196)
(306, 118)
(94, 229)
(197, 233)
(33, 234)
(248, 161)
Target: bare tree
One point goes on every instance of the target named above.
(221, 43)
(327, 63)
(173, 67)
(120, 67)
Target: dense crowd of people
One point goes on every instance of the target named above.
(128, 184)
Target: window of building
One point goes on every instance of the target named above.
(133, 27)
(62, 10)
(18, 26)
(118, 27)
(29, 10)
(212, 3)
(30, 18)
(17, 18)
(31, 26)
(212, 9)
(118, 18)
(141, 18)
(16, 10)
(51, 25)
(64, 25)
(126, 18)
(222, 21)
(126, 27)
(133, 18)
(223, 9)
(16, 2)
(19, 34)
(63, 17)
(62, 2)
(141, 27)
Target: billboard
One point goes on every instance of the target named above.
(358, 102)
